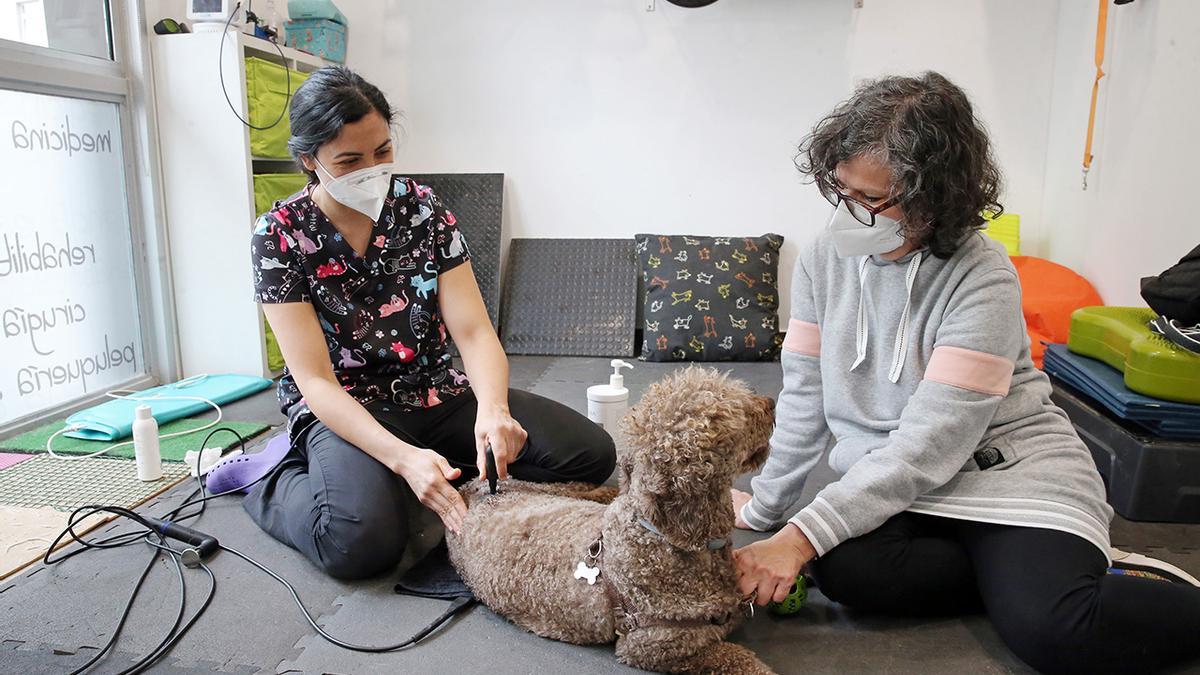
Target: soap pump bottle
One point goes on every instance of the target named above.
(607, 403)
(145, 444)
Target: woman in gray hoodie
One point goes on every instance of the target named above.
(962, 486)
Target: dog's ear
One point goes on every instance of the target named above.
(756, 459)
(761, 416)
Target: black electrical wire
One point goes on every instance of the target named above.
(178, 614)
(456, 606)
(125, 539)
(130, 537)
(111, 542)
(177, 632)
(120, 623)
(200, 490)
(150, 535)
(221, 75)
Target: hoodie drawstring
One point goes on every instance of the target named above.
(900, 348)
(860, 340)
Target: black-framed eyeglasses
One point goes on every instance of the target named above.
(862, 212)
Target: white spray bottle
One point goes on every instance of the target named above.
(145, 444)
(607, 403)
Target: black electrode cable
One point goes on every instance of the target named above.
(191, 500)
(178, 614)
(121, 623)
(456, 606)
(127, 538)
(177, 634)
(221, 75)
(115, 542)
(153, 534)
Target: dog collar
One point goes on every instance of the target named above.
(712, 545)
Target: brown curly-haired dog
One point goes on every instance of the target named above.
(666, 590)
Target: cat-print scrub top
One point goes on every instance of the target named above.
(379, 311)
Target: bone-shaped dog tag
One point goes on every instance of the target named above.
(582, 571)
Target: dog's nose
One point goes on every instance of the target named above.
(770, 402)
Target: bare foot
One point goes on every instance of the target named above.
(739, 500)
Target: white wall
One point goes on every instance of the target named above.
(609, 120)
(1136, 217)
(999, 52)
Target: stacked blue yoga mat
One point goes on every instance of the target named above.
(1106, 385)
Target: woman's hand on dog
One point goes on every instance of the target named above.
(497, 428)
(768, 568)
(429, 476)
(739, 500)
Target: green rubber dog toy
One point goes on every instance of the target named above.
(794, 600)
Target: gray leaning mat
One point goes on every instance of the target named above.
(477, 202)
(569, 297)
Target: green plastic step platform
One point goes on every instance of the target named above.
(1153, 365)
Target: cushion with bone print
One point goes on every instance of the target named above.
(710, 298)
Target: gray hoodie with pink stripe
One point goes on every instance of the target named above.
(918, 372)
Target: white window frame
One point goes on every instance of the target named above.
(127, 80)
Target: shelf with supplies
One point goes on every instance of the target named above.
(218, 174)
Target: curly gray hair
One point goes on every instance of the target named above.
(925, 132)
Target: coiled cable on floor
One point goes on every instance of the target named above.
(153, 535)
(154, 539)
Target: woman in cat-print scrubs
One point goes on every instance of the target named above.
(364, 277)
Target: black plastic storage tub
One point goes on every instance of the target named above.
(1148, 478)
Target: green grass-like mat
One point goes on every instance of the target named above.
(172, 449)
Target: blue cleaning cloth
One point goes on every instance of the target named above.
(113, 420)
(1106, 385)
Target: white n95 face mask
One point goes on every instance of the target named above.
(851, 238)
(363, 190)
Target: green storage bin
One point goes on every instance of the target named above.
(271, 187)
(266, 96)
(268, 189)
(274, 355)
(1153, 365)
(1005, 229)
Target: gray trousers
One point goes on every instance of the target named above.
(346, 512)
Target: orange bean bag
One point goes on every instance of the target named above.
(1049, 293)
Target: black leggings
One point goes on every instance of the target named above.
(1045, 591)
(346, 512)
